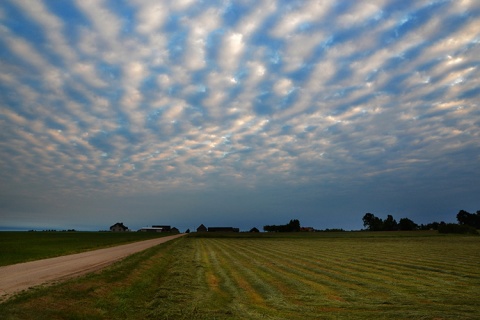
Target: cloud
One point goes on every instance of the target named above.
(105, 23)
(102, 99)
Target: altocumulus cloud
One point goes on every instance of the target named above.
(237, 112)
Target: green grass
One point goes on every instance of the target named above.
(18, 247)
(266, 276)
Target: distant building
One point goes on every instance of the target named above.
(223, 229)
(150, 229)
(164, 228)
(307, 229)
(202, 228)
(157, 229)
(118, 227)
(254, 230)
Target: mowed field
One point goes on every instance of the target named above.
(361, 275)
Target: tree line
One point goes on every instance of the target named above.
(467, 223)
(292, 226)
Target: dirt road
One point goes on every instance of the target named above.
(17, 277)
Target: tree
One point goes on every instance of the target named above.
(406, 224)
(390, 224)
(463, 217)
(469, 219)
(372, 223)
(292, 226)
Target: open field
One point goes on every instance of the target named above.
(321, 276)
(18, 247)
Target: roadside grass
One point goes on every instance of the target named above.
(335, 276)
(16, 247)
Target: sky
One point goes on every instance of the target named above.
(237, 113)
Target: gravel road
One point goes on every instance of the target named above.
(21, 276)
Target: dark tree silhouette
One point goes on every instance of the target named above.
(372, 223)
(469, 219)
(390, 224)
(292, 226)
(406, 224)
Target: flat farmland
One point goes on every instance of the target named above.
(315, 276)
(16, 247)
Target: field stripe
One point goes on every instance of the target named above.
(310, 276)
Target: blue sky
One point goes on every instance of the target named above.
(237, 113)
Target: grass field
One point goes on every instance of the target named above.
(18, 247)
(321, 276)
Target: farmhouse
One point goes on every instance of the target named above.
(119, 227)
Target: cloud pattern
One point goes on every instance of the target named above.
(139, 97)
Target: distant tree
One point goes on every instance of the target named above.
(292, 226)
(406, 224)
(187, 231)
(390, 224)
(372, 223)
(431, 226)
(469, 219)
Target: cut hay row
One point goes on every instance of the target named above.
(366, 276)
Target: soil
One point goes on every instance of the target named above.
(21, 276)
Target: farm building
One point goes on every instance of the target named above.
(202, 228)
(119, 227)
(150, 229)
(307, 229)
(223, 229)
(164, 228)
(157, 229)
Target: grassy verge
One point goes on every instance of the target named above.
(18, 247)
(310, 277)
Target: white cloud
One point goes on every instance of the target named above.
(231, 51)
(24, 49)
(200, 27)
(360, 13)
(134, 73)
(52, 25)
(181, 4)
(88, 73)
(310, 12)
(251, 23)
(283, 87)
(104, 22)
(299, 49)
(151, 16)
